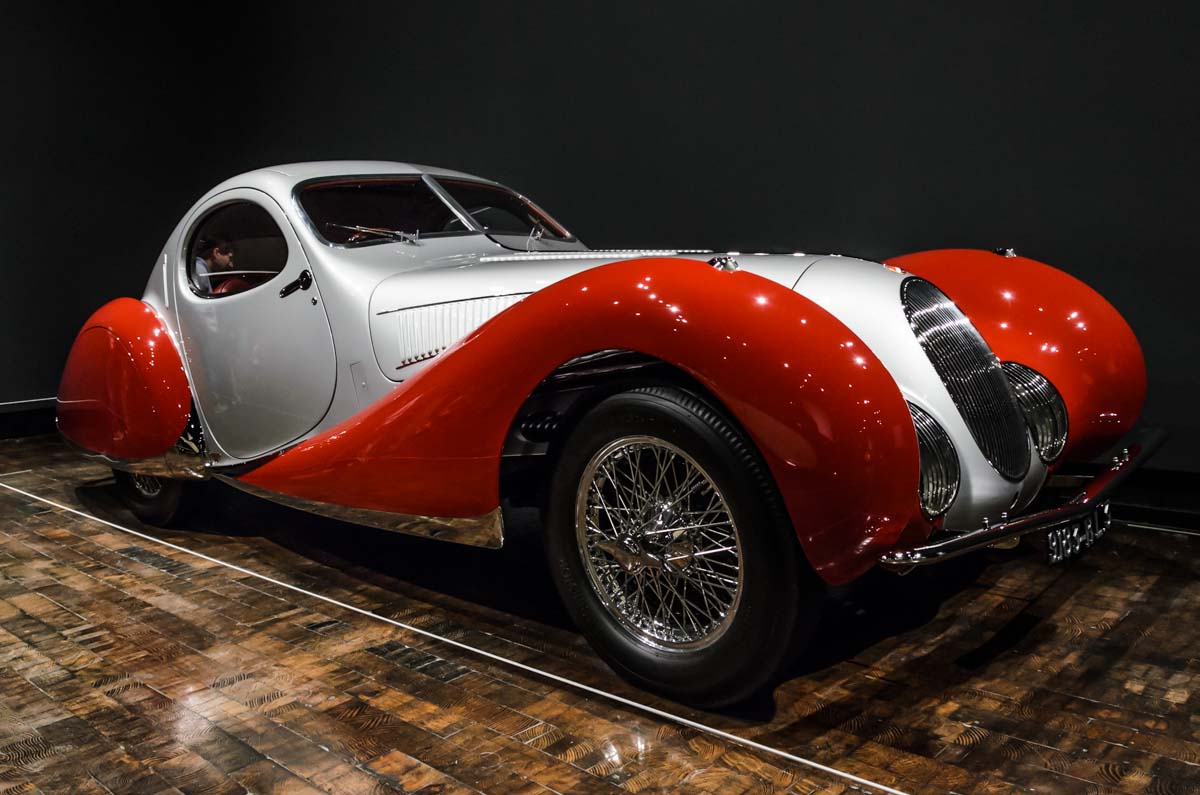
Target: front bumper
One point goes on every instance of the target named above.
(1138, 449)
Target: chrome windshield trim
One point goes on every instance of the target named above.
(464, 216)
(298, 208)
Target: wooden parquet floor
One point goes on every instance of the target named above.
(130, 667)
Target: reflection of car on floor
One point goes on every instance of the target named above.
(711, 436)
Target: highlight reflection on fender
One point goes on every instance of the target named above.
(826, 415)
(1046, 319)
(124, 392)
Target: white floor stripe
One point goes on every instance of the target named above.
(30, 400)
(724, 735)
(18, 472)
(1162, 528)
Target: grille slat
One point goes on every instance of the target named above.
(972, 376)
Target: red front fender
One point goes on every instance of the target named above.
(826, 415)
(1032, 313)
(124, 392)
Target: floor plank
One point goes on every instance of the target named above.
(130, 667)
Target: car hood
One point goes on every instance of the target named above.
(417, 313)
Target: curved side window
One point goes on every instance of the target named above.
(234, 248)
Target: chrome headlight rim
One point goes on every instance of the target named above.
(938, 459)
(1044, 409)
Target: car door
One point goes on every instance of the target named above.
(256, 339)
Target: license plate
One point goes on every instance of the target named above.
(1070, 540)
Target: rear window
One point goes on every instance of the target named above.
(368, 211)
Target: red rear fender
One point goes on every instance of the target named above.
(826, 415)
(1032, 313)
(124, 392)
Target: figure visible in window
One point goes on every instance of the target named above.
(212, 256)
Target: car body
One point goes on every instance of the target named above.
(407, 347)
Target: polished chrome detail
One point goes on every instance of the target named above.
(659, 543)
(426, 331)
(1043, 408)
(148, 486)
(1093, 497)
(1005, 252)
(477, 531)
(536, 233)
(724, 262)
(551, 256)
(399, 235)
(940, 474)
(301, 282)
(175, 464)
(971, 374)
(187, 460)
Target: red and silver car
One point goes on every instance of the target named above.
(711, 437)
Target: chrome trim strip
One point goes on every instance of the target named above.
(464, 216)
(298, 208)
(176, 464)
(476, 531)
(1139, 449)
(451, 301)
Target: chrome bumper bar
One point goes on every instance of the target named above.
(1136, 452)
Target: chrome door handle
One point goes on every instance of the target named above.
(302, 282)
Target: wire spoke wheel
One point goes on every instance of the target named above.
(659, 543)
(147, 485)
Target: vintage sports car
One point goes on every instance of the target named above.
(711, 436)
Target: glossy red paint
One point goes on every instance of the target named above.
(831, 424)
(124, 392)
(1032, 313)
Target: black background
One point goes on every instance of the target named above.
(1068, 131)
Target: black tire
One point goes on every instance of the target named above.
(776, 606)
(153, 500)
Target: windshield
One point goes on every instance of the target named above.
(364, 211)
(502, 212)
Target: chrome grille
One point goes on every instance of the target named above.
(972, 376)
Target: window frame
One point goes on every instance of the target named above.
(570, 236)
(437, 190)
(189, 256)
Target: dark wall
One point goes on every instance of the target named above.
(1069, 132)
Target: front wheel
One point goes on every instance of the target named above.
(672, 550)
(153, 500)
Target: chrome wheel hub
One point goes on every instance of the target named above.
(658, 543)
(147, 485)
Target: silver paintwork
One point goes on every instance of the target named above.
(261, 364)
(268, 372)
(865, 296)
(422, 332)
(658, 543)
